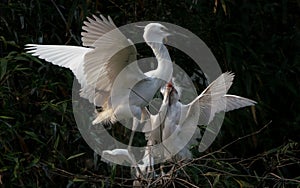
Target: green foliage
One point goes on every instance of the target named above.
(40, 145)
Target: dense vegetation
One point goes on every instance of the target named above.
(40, 145)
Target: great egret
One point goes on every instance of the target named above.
(106, 53)
(177, 119)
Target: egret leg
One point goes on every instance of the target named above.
(137, 113)
(140, 115)
(135, 124)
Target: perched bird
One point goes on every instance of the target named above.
(179, 121)
(143, 168)
(118, 156)
(105, 54)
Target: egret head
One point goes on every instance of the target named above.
(155, 32)
(170, 93)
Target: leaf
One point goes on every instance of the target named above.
(34, 162)
(56, 142)
(33, 58)
(254, 114)
(6, 117)
(20, 58)
(78, 180)
(3, 67)
(224, 7)
(33, 136)
(74, 156)
(215, 7)
(243, 184)
(113, 175)
(216, 180)
(211, 174)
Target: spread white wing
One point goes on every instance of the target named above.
(95, 66)
(71, 57)
(204, 108)
(214, 99)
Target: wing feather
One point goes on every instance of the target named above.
(234, 102)
(95, 28)
(203, 109)
(97, 66)
(112, 53)
(71, 57)
(214, 100)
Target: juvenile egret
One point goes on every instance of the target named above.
(143, 168)
(105, 54)
(118, 156)
(178, 124)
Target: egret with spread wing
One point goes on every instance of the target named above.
(179, 123)
(105, 54)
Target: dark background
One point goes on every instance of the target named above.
(258, 40)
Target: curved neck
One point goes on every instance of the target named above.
(164, 69)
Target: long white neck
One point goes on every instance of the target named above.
(164, 69)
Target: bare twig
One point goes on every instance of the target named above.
(186, 182)
(91, 178)
(285, 179)
(246, 136)
(66, 23)
(227, 145)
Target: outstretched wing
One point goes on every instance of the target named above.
(112, 53)
(234, 102)
(71, 57)
(95, 66)
(95, 28)
(202, 110)
(214, 99)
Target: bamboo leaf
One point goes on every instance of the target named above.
(78, 180)
(75, 156)
(3, 62)
(6, 117)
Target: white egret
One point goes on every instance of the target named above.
(178, 124)
(106, 53)
(118, 156)
(143, 168)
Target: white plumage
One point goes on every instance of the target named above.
(106, 53)
(123, 156)
(118, 156)
(180, 121)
